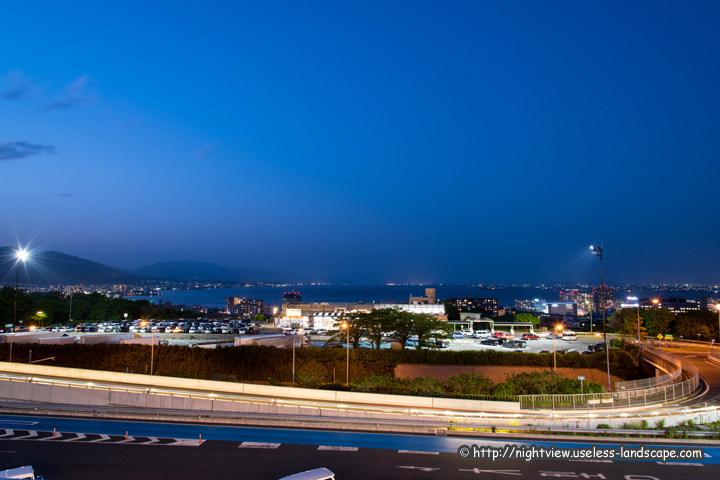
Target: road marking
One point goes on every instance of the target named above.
(57, 435)
(499, 472)
(422, 469)
(101, 439)
(32, 433)
(338, 449)
(8, 433)
(152, 440)
(184, 442)
(685, 464)
(259, 445)
(18, 422)
(418, 452)
(129, 439)
(80, 436)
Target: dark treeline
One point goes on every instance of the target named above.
(55, 308)
(318, 366)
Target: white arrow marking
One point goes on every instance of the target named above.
(101, 439)
(33, 434)
(57, 435)
(422, 469)
(8, 433)
(185, 442)
(80, 436)
(152, 440)
(130, 438)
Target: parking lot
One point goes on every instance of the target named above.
(533, 346)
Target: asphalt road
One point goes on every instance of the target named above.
(101, 451)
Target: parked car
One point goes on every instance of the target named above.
(530, 336)
(491, 341)
(457, 335)
(544, 351)
(551, 336)
(481, 334)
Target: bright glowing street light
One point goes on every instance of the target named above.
(22, 255)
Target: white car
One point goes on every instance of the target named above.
(482, 334)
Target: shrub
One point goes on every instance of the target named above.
(604, 426)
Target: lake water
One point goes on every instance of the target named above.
(370, 293)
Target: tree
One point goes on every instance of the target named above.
(424, 326)
(377, 322)
(658, 321)
(452, 311)
(403, 327)
(527, 318)
(704, 322)
(356, 326)
(625, 321)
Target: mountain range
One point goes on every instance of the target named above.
(55, 268)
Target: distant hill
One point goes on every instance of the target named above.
(54, 268)
(192, 270)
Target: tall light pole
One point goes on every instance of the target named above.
(300, 331)
(346, 326)
(717, 340)
(22, 256)
(558, 328)
(598, 252)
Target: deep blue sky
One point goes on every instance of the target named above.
(401, 141)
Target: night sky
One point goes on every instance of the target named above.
(373, 141)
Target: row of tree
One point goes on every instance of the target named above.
(692, 325)
(43, 309)
(381, 323)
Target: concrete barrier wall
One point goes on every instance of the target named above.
(272, 392)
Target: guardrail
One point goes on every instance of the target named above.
(662, 359)
(715, 354)
(673, 389)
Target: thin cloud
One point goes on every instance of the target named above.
(17, 150)
(75, 94)
(202, 153)
(66, 194)
(18, 87)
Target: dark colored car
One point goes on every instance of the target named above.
(491, 341)
(530, 336)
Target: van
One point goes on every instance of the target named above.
(482, 334)
(316, 474)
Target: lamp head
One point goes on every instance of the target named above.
(22, 254)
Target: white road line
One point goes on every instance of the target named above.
(184, 442)
(418, 452)
(57, 435)
(80, 436)
(685, 464)
(8, 433)
(101, 439)
(259, 445)
(32, 433)
(129, 439)
(338, 449)
(17, 422)
(152, 440)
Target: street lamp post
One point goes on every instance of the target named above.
(22, 256)
(558, 328)
(718, 309)
(346, 326)
(300, 331)
(598, 252)
(654, 300)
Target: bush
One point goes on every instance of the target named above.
(604, 426)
